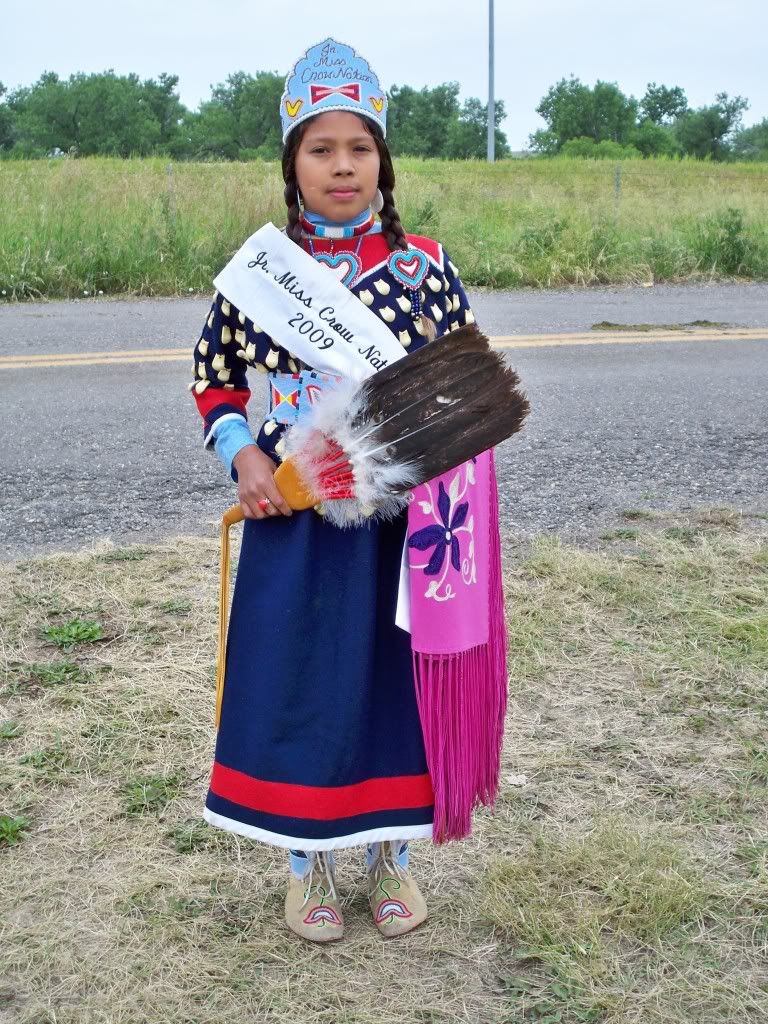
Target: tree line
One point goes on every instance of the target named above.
(121, 115)
(601, 121)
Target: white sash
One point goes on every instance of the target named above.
(306, 309)
(309, 312)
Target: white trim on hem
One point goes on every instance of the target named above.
(373, 835)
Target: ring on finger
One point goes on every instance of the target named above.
(264, 504)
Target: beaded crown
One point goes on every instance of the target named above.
(331, 76)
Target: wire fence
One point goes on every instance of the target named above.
(619, 183)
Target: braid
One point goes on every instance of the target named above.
(293, 227)
(391, 227)
(291, 191)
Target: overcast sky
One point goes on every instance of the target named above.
(702, 45)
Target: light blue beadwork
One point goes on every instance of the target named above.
(338, 260)
(409, 268)
(230, 435)
(332, 76)
(323, 232)
(321, 227)
(298, 393)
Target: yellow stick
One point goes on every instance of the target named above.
(231, 516)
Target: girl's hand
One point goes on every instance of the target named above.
(255, 470)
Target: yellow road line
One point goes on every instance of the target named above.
(162, 355)
(598, 336)
(107, 356)
(622, 338)
(21, 364)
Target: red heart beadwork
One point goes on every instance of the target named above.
(409, 268)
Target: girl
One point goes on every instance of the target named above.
(320, 744)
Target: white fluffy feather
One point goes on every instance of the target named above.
(376, 475)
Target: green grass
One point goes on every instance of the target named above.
(609, 325)
(623, 875)
(150, 794)
(11, 828)
(56, 673)
(146, 227)
(77, 631)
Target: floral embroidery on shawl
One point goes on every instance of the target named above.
(450, 513)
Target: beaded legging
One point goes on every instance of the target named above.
(299, 859)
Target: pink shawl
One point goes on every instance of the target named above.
(458, 638)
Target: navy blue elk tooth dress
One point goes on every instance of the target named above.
(319, 745)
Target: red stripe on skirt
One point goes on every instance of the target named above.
(322, 802)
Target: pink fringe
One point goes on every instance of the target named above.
(462, 701)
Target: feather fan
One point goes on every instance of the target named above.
(364, 446)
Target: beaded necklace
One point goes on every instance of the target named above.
(332, 231)
(409, 268)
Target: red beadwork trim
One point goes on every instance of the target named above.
(322, 803)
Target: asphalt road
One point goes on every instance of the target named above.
(94, 451)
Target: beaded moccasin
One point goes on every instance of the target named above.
(312, 908)
(396, 903)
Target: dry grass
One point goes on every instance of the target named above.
(623, 877)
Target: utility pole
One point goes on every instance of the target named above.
(491, 100)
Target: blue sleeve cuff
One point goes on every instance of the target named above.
(230, 435)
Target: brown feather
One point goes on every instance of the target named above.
(444, 403)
